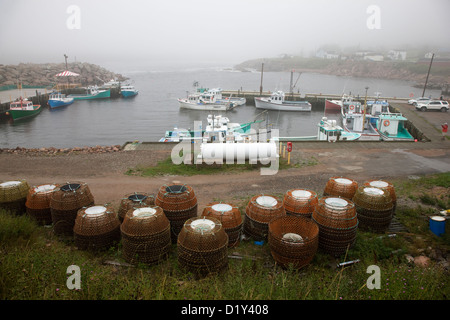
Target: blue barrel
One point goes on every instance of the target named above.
(437, 225)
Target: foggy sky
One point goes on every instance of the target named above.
(219, 31)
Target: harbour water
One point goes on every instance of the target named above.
(155, 109)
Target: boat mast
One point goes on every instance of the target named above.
(426, 81)
(365, 108)
(261, 86)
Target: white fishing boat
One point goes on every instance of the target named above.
(210, 100)
(357, 119)
(277, 102)
(391, 127)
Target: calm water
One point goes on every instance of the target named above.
(147, 116)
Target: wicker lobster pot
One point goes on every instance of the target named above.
(134, 200)
(179, 203)
(230, 218)
(96, 227)
(13, 196)
(65, 203)
(374, 207)
(145, 235)
(338, 224)
(260, 210)
(385, 185)
(340, 187)
(293, 240)
(203, 246)
(38, 203)
(300, 202)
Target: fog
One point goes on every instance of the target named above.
(211, 31)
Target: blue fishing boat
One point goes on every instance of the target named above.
(128, 91)
(57, 100)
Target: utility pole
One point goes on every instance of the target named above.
(426, 81)
(65, 57)
(365, 107)
(261, 86)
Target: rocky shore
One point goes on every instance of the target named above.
(60, 151)
(44, 74)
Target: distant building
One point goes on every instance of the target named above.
(327, 55)
(374, 57)
(396, 55)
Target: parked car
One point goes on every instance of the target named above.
(433, 105)
(414, 102)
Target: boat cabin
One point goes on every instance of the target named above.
(329, 130)
(277, 97)
(57, 96)
(22, 104)
(388, 123)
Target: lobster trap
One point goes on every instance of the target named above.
(13, 196)
(230, 218)
(96, 228)
(300, 202)
(145, 235)
(203, 246)
(65, 203)
(340, 187)
(134, 200)
(338, 224)
(374, 207)
(38, 203)
(385, 185)
(293, 240)
(260, 210)
(179, 203)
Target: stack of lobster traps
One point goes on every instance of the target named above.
(230, 218)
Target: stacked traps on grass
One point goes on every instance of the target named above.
(96, 228)
(338, 224)
(203, 246)
(300, 202)
(179, 203)
(65, 203)
(145, 235)
(385, 185)
(260, 210)
(293, 240)
(374, 207)
(340, 187)
(13, 196)
(38, 203)
(134, 200)
(230, 218)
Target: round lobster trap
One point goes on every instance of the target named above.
(13, 196)
(179, 203)
(260, 210)
(230, 217)
(300, 202)
(65, 203)
(385, 185)
(293, 240)
(338, 224)
(145, 235)
(134, 200)
(340, 187)
(203, 246)
(96, 228)
(374, 207)
(38, 203)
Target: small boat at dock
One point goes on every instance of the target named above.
(128, 91)
(210, 100)
(357, 119)
(92, 92)
(277, 102)
(335, 106)
(23, 108)
(391, 127)
(57, 100)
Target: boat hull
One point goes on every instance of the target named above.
(261, 103)
(99, 95)
(24, 114)
(332, 106)
(202, 106)
(60, 103)
(128, 94)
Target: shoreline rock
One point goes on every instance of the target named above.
(61, 151)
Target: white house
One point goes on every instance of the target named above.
(396, 55)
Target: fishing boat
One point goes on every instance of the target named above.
(391, 127)
(206, 101)
(217, 93)
(328, 130)
(357, 119)
(57, 100)
(335, 106)
(92, 92)
(277, 101)
(23, 108)
(128, 91)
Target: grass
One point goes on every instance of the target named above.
(33, 265)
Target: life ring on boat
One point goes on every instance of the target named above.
(386, 123)
(352, 107)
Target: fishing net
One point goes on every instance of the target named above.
(230, 218)
(13, 196)
(203, 246)
(134, 200)
(179, 203)
(65, 203)
(260, 210)
(374, 207)
(385, 185)
(293, 240)
(340, 187)
(38, 203)
(300, 202)
(145, 235)
(96, 228)
(338, 224)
